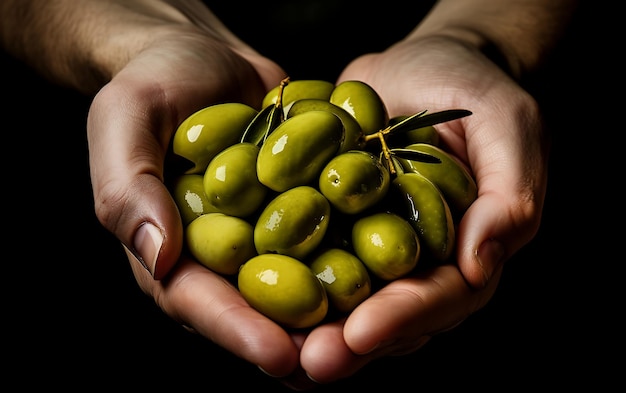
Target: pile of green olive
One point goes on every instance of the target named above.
(312, 203)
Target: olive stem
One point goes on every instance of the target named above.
(380, 135)
(279, 98)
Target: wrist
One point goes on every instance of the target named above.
(82, 44)
(517, 36)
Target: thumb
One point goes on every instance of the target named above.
(127, 148)
(497, 224)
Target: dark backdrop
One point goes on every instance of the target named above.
(75, 318)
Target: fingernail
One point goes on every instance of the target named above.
(312, 379)
(421, 342)
(298, 380)
(268, 374)
(398, 347)
(489, 255)
(379, 345)
(148, 242)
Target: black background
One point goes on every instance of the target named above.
(74, 318)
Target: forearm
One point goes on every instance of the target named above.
(517, 34)
(83, 44)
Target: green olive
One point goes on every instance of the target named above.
(424, 206)
(220, 242)
(188, 193)
(293, 223)
(450, 175)
(345, 278)
(283, 289)
(231, 183)
(387, 244)
(209, 131)
(353, 138)
(298, 90)
(354, 181)
(363, 102)
(297, 150)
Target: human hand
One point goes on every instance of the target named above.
(177, 70)
(503, 144)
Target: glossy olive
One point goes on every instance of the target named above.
(363, 102)
(354, 181)
(345, 278)
(230, 180)
(293, 223)
(421, 202)
(353, 136)
(220, 242)
(298, 90)
(188, 193)
(283, 289)
(298, 149)
(387, 244)
(450, 175)
(205, 133)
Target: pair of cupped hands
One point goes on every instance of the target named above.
(133, 118)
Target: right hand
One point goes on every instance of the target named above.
(175, 71)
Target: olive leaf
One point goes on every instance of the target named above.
(266, 121)
(413, 155)
(422, 119)
(263, 124)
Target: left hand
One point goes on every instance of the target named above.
(503, 144)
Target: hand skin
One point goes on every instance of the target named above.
(444, 64)
(151, 64)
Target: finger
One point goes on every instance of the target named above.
(326, 357)
(509, 158)
(298, 380)
(212, 306)
(398, 319)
